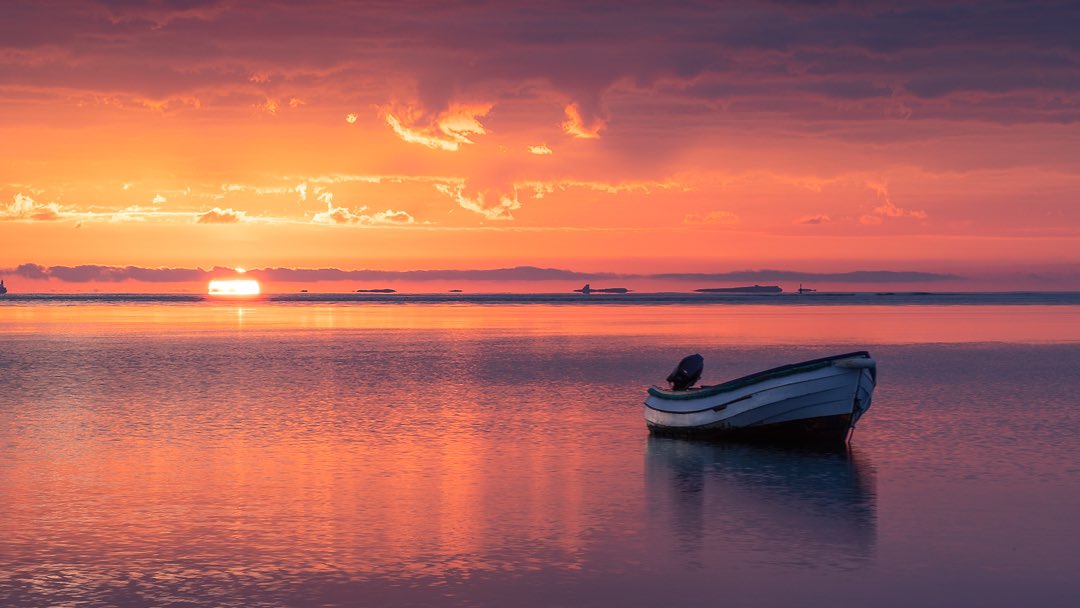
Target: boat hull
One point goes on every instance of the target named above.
(813, 401)
(823, 429)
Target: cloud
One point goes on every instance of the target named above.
(169, 105)
(113, 274)
(856, 276)
(158, 199)
(86, 273)
(108, 274)
(26, 208)
(888, 209)
(712, 218)
(221, 216)
(345, 216)
(814, 220)
(392, 217)
(446, 131)
(336, 215)
(396, 178)
(418, 137)
(23, 207)
(838, 57)
(351, 118)
(540, 189)
(576, 127)
(518, 273)
(482, 202)
(540, 150)
(30, 271)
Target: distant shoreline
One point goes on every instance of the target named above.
(920, 298)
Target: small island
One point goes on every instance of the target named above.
(747, 289)
(376, 291)
(587, 290)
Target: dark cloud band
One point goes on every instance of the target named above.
(116, 274)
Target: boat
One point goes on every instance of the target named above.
(746, 289)
(815, 401)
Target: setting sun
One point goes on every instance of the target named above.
(234, 287)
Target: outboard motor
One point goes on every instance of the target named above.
(687, 372)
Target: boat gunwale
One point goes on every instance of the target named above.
(744, 381)
(723, 406)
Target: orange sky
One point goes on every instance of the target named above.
(405, 136)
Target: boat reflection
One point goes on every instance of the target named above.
(718, 501)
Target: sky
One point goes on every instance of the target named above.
(936, 144)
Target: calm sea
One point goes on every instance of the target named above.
(487, 451)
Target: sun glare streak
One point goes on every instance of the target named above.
(233, 287)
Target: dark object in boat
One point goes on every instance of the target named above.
(587, 290)
(376, 291)
(747, 289)
(687, 372)
(805, 289)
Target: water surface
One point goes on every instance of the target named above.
(348, 453)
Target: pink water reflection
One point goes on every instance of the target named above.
(321, 454)
(744, 324)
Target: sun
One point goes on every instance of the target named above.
(233, 287)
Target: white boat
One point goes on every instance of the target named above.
(816, 400)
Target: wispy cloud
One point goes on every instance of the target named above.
(372, 178)
(23, 207)
(270, 106)
(814, 220)
(346, 216)
(888, 209)
(447, 131)
(218, 215)
(491, 205)
(575, 126)
(542, 188)
(712, 218)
